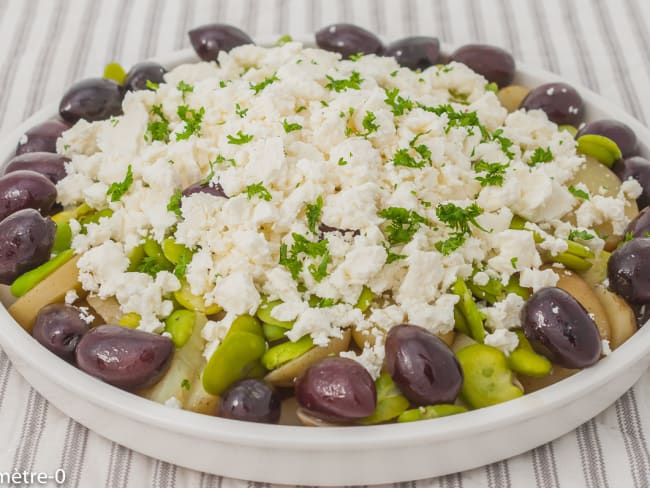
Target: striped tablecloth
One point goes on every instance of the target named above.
(48, 44)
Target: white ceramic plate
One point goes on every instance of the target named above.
(330, 456)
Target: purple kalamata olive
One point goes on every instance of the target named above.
(417, 52)
(620, 133)
(337, 389)
(640, 225)
(628, 270)
(422, 365)
(561, 102)
(208, 40)
(495, 64)
(42, 137)
(25, 189)
(92, 99)
(638, 168)
(26, 240)
(251, 400)
(348, 39)
(50, 165)
(141, 73)
(59, 328)
(130, 359)
(205, 187)
(559, 328)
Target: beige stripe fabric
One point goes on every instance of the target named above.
(48, 44)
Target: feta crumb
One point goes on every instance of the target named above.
(538, 278)
(503, 339)
(606, 349)
(71, 297)
(173, 402)
(504, 314)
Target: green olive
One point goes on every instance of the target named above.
(390, 401)
(196, 303)
(599, 147)
(526, 361)
(285, 352)
(487, 378)
(235, 358)
(180, 325)
(30, 279)
(430, 412)
(264, 314)
(114, 71)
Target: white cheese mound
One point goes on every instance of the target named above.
(287, 129)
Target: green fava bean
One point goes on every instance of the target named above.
(62, 238)
(180, 325)
(246, 323)
(135, 257)
(30, 279)
(365, 299)
(174, 252)
(430, 412)
(459, 321)
(264, 314)
(600, 147)
(273, 332)
(235, 358)
(189, 301)
(526, 361)
(467, 306)
(130, 320)
(285, 352)
(491, 292)
(487, 377)
(390, 401)
(93, 218)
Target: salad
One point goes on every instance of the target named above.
(349, 234)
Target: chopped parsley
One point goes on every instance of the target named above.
(192, 119)
(356, 57)
(391, 256)
(403, 224)
(185, 384)
(576, 192)
(403, 156)
(290, 258)
(119, 188)
(313, 213)
(282, 40)
(158, 130)
(240, 111)
(458, 97)
(458, 219)
(342, 162)
(300, 109)
(399, 106)
(184, 88)
(580, 235)
(541, 155)
(368, 123)
(493, 87)
(492, 173)
(174, 204)
(240, 139)
(352, 83)
(184, 260)
(263, 84)
(513, 262)
(220, 160)
(504, 142)
(290, 127)
(258, 190)
(151, 265)
(456, 118)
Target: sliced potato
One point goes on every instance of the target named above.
(289, 412)
(511, 96)
(108, 309)
(286, 374)
(531, 384)
(620, 314)
(598, 271)
(200, 401)
(461, 340)
(310, 421)
(363, 337)
(184, 369)
(597, 176)
(581, 291)
(51, 290)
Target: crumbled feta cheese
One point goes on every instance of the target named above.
(504, 314)
(606, 349)
(71, 296)
(503, 339)
(173, 402)
(538, 278)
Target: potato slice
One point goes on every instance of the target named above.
(108, 309)
(51, 290)
(511, 96)
(531, 384)
(620, 314)
(361, 337)
(581, 291)
(289, 412)
(199, 400)
(309, 420)
(286, 374)
(597, 176)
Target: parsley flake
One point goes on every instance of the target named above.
(117, 189)
(368, 123)
(240, 111)
(174, 204)
(576, 192)
(290, 258)
(403, 224)
(263, 84)
(399, 106)
(258, 190)
(541, 155)
(356, 57)
(352, 83)
(240, 139)
(458, 219)
(313, 213)
(504, 142)
(288, 127)
(158, 130)
(403, 156)
(282, 40)
(493, 173)
(342, 162)
(192, 119)
(184, 88)
(580, 235)
(185, 384)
